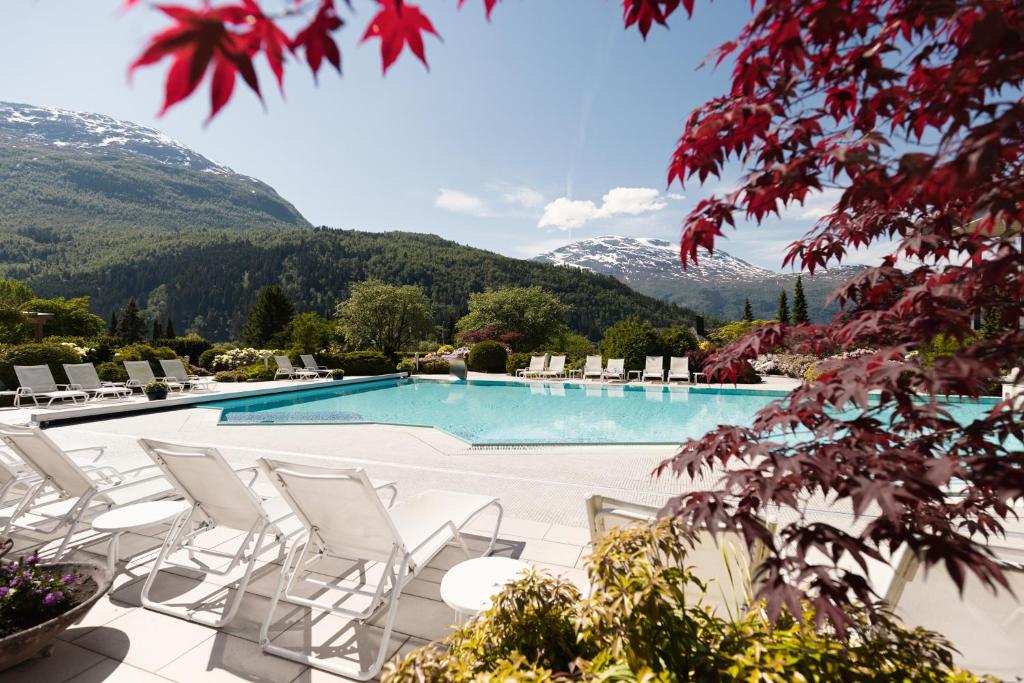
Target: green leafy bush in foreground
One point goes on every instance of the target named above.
(488, 356)
(642, 623)
(365, 363)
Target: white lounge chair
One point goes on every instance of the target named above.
(536, 367)
(679, 368)
(345, 518)
(218, 499)
(616, 369)
(140, 373)
(83, 377)
(70, 489)
(556, 367)
(174, 370)
(286, 369)
(310, 363)
(723, 560)
(593, 368)
(37, 383)
(654, 368)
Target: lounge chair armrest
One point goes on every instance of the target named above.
(449, 525)
(388, 485)
(75, 387)
(100, 451)
(65, 387)
(255, 473)
(135, 471)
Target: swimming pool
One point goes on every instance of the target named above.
(500, 413)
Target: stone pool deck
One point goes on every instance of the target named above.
(542, 488)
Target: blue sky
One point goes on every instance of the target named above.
(549, 124)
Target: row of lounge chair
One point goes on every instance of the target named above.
(541, 366)
(321, 516)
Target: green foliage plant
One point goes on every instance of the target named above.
(488, 356)
(156, 387)
(130, 326)
(632, 339)
(383, 317)
(677, 340)
(800, 315)
(516, 361)
(268, 318)
(535, 313)
(726, 334)
(782, 315)
(310, 333)
(52, 354)
(31, 593)
(112, 372)
(365, 363)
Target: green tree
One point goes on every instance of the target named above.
(632, 339)
(783, 314)
(310, 333)
(677, 340)
(384, 317)
(799, 303)
(131, 326)
(533, 312)
(574, 346)
(14, 293)
(71, 317)
(268, 317)
(169, 329)
(748, 314)
(158, 330)
(113, 328)
(727, 334)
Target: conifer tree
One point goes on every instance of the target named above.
(268, 317)
(169, 329)
(748, 315)
(113, 329)
(158, 330)
(131, 327)
(799, 303)
(783, 313)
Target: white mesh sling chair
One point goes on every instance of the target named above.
(556, 367)
(218, 499)
(286, 369)
(679, 368)
(344, 518)
(536, 367)
(140, 373)
(83, 377)
(65, 490)
(616, 369)
(592, 368)
(174, 370)
(313, 366)
(37, 383)
(654, 368)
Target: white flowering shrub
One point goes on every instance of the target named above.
(82, 351)
(232, 359)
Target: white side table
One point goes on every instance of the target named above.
(131, 517)
(469, 586)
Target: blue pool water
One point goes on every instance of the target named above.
(490, 413)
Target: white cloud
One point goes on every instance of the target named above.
(818, 205)
(460, 202)
(676, 196)
(524, 196)
(568, 214)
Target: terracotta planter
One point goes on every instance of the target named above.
(18, 647)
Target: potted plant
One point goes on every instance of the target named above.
(156, 391)
(39, 601)
(338, 374)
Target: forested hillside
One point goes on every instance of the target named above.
(207, 279)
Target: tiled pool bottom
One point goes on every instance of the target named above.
(517, 413)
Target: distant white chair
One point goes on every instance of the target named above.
(679, 368)
(71, 490)
(536, 367)
(286, 369)
(140, 373)
(616, 369)
(556, 367)
(592, 368)
(37, 383)
(310, 363)
(83, 377)
(654, 368)
(723, 560)
(344, 518)
(175, 370)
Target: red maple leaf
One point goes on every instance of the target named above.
(317, 40)
(488, 6)
(198, 41)
(396, 25)
(263, 35)
(643, 13)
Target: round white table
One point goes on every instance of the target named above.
(469, 586)
(131, 517)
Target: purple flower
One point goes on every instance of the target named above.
(51, 598)
(4, 590)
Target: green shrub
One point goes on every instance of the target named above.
(365, 363)
(434, 367)
(644, 621)
(632, 339)
(405, 365)
(112, 372)
(153, 354)
(44, 353)
(192, 346)
(229, 376)
(444, 348)
(516, 361)
(574, 347)
(488, 356)
(677, 340)
(727, 334)
(206, 357)
(258, 372)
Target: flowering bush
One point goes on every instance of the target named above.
(80, 350)
(30, 594)
(232, 359)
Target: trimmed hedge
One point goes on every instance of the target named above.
(45, 353)
(516, 361)
(207, 356)
(258, 372)
(192, 346)
(365, 363)
(112, 372)
(488, 356)
(435, 367)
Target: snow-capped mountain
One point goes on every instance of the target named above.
(718, 285)
(96, 132)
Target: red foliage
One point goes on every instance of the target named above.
(510, 339)
(396, 25)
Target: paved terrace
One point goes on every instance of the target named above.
(542, 489)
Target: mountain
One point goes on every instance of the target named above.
(717, 286)
(95, 206)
